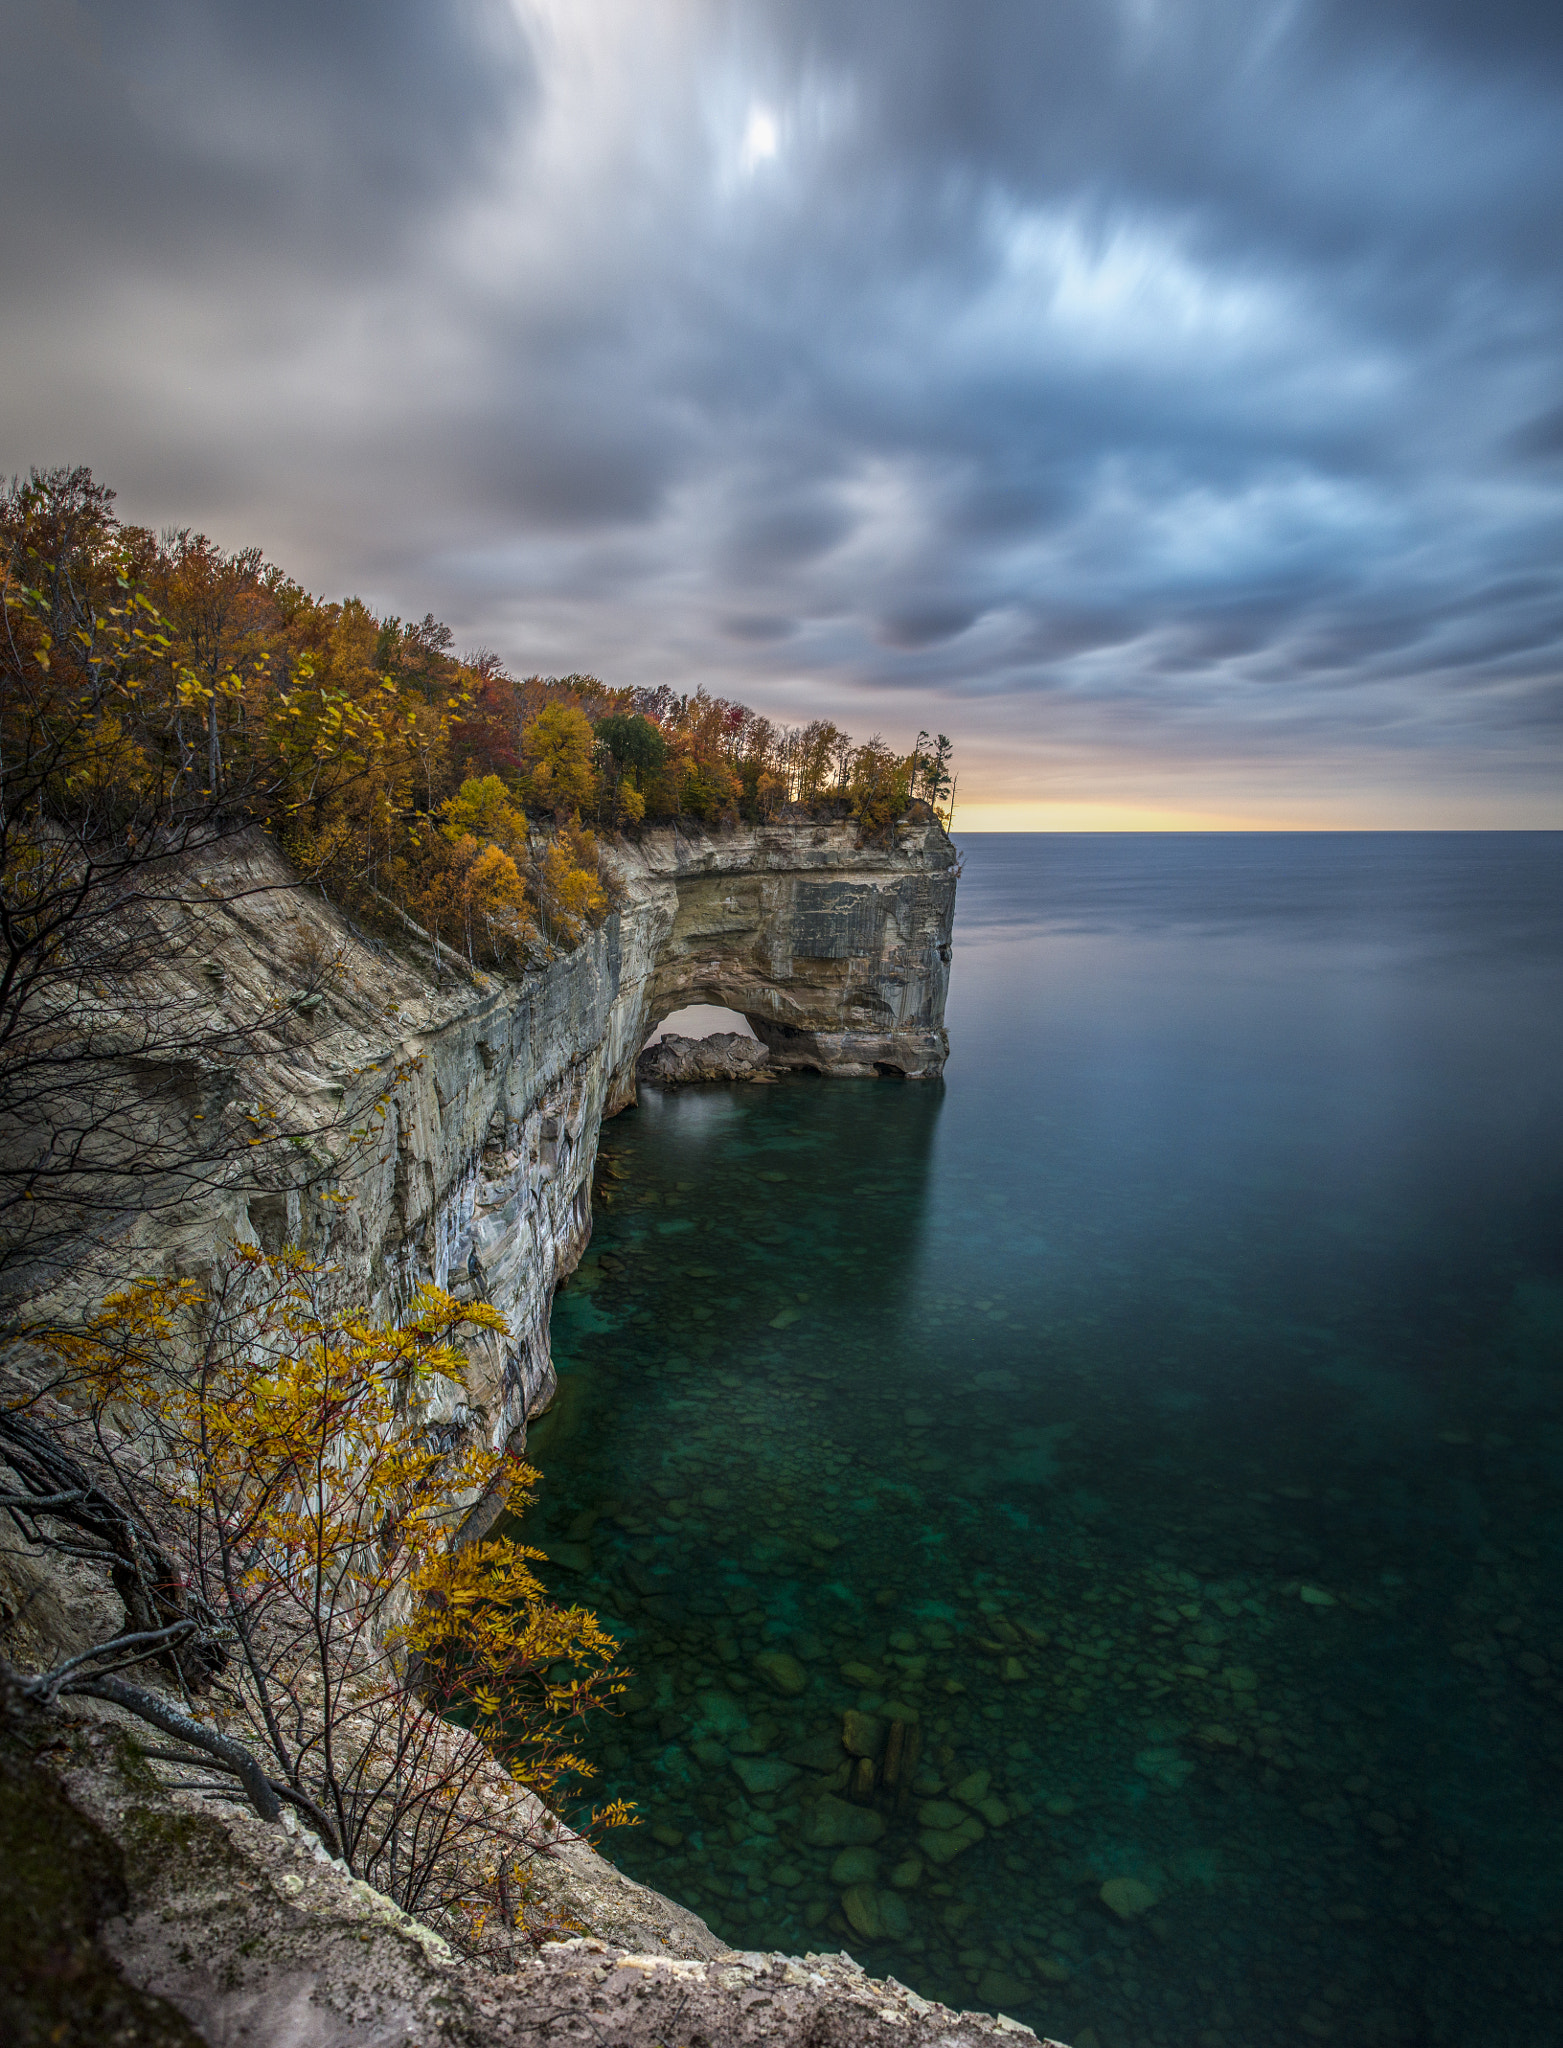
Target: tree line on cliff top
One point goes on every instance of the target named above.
(157, 684)
(256, 1466)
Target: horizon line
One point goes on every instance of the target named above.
(1239, 831)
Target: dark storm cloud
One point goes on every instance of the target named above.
(926, 625)
(757, 631)
(1116, 377)
(234, 133)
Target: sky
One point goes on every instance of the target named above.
(1164, 400)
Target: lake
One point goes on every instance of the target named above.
(1086, 1534)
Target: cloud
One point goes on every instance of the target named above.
(926, 625)
(1106, 384)
(288, 135)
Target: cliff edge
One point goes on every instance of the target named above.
(478, 1175)
(133, 1914)
(186, 1913)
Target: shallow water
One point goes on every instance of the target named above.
(1156, 1431)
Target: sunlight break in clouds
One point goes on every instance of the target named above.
(762, 138)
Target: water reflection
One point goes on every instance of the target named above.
(1403, 892)
(1164, 1423)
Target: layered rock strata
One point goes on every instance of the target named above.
(477, 1176)
(836, 951)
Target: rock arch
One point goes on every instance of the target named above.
(837, 952)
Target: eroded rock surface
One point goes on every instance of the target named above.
(155, 1918)
(478, 1177)
(674, 1062)
(190, 1914)
(837, 952)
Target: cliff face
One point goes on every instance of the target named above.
(479, 1177)
(836, 952)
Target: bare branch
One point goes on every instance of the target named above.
(160, 1713)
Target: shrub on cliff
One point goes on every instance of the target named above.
(293, 1495)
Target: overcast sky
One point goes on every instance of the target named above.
(1162, 397)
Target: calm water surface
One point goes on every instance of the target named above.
(1153, 1436)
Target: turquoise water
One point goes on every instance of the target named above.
(1152, 1437)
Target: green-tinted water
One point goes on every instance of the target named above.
(1151, 1437)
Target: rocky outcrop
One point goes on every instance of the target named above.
(445, 1127)
(477, 1176)
(837, 951)
(674, 1062)
(131, 1912)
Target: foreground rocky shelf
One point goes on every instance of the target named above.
(130, 1913)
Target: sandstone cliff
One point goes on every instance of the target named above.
(479, 1176)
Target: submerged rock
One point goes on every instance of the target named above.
(764, 1774)
(817, 1753)
(834, 1824)
(876, 1915)
(1164, 1767)
(1127, 1897)
(940, 1813)
(861, 1734)
(782, 1669)
(998, 1989)
(944, 1844)
(570, 1557)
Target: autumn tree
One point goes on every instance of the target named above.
(724, 761)
(557, 749)
(296, 1578)
(879, 784)
(475, 898)
(931, 778)
(486, 810)
(124, 772)
(570, 887)
(632, 750)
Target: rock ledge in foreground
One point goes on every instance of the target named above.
(189, 1924)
